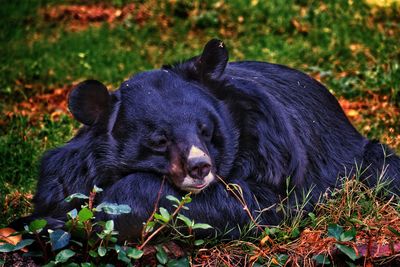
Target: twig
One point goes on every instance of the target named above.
(241, 200)
(42, 246)
(162, 226)
(92, 195)
(154, 211)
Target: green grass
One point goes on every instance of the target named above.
(21, 146)
(38, 56)
(47, 53)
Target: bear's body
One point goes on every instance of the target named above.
(253, 124)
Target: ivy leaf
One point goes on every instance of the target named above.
(186, 220)
(20, 245)
(281, 259)
(85, 214)
(295, 233)
(97, 189)
(201, 226)
(182, 262)
(122, 256)
(76, 195)
(23, 243)
(134, 253)
(59, 239)
(73, 213)
(199, 242)
(321, 259)
(335, 231)
(109, 226)
(7, 248)
(93, 254)
(150, 226)
(161, 256)
(348, 235)
(348, 251)
(160, 217)
(102, 251)
(64, 255)
(113, 208)
(37, 225)
(187, 199)
(165, 214)
(173, 199)
(117, 248)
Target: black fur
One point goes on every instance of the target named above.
(258, 123)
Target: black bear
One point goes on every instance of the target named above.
(254, 124)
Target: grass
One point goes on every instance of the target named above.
(351, 46)
(21, 147)
(346, 225)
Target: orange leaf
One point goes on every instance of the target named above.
(6, 235)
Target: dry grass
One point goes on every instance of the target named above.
(375, 218)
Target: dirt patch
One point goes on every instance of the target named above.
(16, 204)
(17, 260)
(372, 113)
(35, 107)
(79, 17)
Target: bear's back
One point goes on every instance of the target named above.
(304, 100)
(293, 89)
(330, 142)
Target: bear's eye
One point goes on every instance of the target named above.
(205, 131)
(159, 143)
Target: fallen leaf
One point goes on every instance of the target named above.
(6, 235)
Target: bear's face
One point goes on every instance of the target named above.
(172, 127)
(164, 123)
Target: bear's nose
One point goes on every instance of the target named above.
(199, 168)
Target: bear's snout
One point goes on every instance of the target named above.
(193, 172)
(199, 168)
(199, 163)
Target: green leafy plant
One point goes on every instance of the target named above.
(337, 231)
(82, 239)
(20, 245)
(164, 219)
(88, 241)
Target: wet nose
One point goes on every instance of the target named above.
(199, 168)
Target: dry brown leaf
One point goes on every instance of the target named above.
(7, 237)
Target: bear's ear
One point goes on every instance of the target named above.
(212, 62)
(89, 101)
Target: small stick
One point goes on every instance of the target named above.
(162, 226)
(155, 209)
(242, 201)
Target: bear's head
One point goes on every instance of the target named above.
(164, 121)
